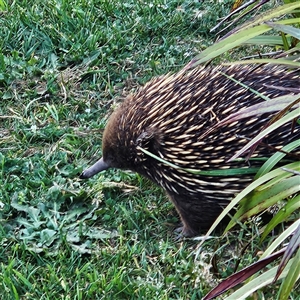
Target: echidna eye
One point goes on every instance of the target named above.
(110, 158)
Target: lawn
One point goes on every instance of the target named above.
(64, 66)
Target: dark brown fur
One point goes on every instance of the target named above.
(169, 115)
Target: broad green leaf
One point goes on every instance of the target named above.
(295, 13)
(100, 234)
(227, 44)
(259, 201)
(269, 40)
(29, 224)
(255, 284)
(256, 184)
(290, 250)
(281, 238)
(292, 276)
(269, 15)
(287, 118)
(278, 104)
(293, 31)
(243, 34)
(280, 61)
(47, 236)
(281, 176)
(241, 276)
(276, 157)
(291, 206)
(239, 197)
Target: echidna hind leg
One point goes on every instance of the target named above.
(184, 231)
(187, 229)
(194, 215)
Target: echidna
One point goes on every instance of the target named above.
(169, 116)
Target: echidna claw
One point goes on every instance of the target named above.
(181, 233)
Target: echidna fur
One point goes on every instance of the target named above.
(169, 115)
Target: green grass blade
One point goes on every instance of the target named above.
(3, 5)
(218, 172)
(23, 279)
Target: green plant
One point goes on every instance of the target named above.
(272, 187)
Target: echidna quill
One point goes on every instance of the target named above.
(169, 116)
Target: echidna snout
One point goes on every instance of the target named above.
(99, 166)
(169, 116)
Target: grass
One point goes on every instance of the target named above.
(63, 66)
